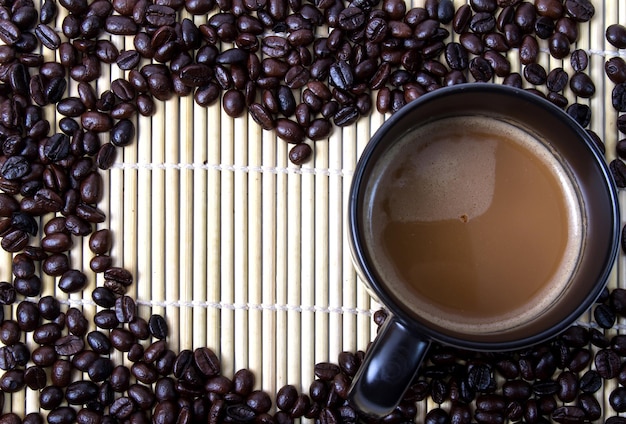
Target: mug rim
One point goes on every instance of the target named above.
(357, 244)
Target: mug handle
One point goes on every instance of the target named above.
(388, 369)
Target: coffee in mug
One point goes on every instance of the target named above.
(476, 223)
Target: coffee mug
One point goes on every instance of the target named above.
(483, 217)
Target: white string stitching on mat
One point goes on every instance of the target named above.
(233, 168)
(238, 306)
(276, 308)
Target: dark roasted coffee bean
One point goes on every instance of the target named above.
(128, 59)
(456, 56)
(607, 363)
(557, 79)
(482, 23)
(121, 339)
(568, 386)
(616, 35)
(481, 69)
(579, 60)
(615, 69)
(72, 281)
(122, 133)
(528, 50)
(48, 36)
(559, 45)
(9, 32)
(590, 382)
(206, 361)
(568, 414)
(106, 319)
(618, 97)
(48, 11)
(69, 345)
(579, 359)
(27, 315)
(590, 405)
(99, 342)
(544, 27)
(289, 130)
(158, 326)
(604, 316)
(580, 10)
(516, 389)
(351, 18)
(551, 8)
(582, 85)
(44, 356)
(567, 27)
(83, 360)
(35, 377)
(79, 392)
(346, 115)
(535, 74)
(243, 382)
(50, 397)
(341, 75)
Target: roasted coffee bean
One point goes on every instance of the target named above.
(106, 319)
(69, 345)
(557, 79)
(27, 315)
(83, 360)
(568, 386)
(615, 69)
(481, 69)
(581, 114)
(79, 392)
(157, 325)
(607, 363)
(456, 56)
(48, 36)
(582, 85)
(122, 133)
(482, 23)
(516, 389)
(72, 281)
(351, 18)
(50, 397)
(206, 361)
(580, 10)
(535, 74)
(579, 360)
(616, 35)
(579, 60)
(24, 222)
(98, 342)
(289, 130)
(590, 382)
(528, 50)
(462, 17)
(559, 45)
(44, 356)
(9, 32)
(341, 75)
(618, 97)
(121, 339)
(604, 316)
(47, 333)
(35, 377)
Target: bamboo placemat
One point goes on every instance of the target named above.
(243, 251)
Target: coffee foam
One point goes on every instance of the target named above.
(440, 185)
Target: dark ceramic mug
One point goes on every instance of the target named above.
(401, 344)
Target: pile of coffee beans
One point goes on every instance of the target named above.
(299, 68)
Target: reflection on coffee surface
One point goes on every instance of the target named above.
(478, 225)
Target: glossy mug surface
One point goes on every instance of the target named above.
(481, 216)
